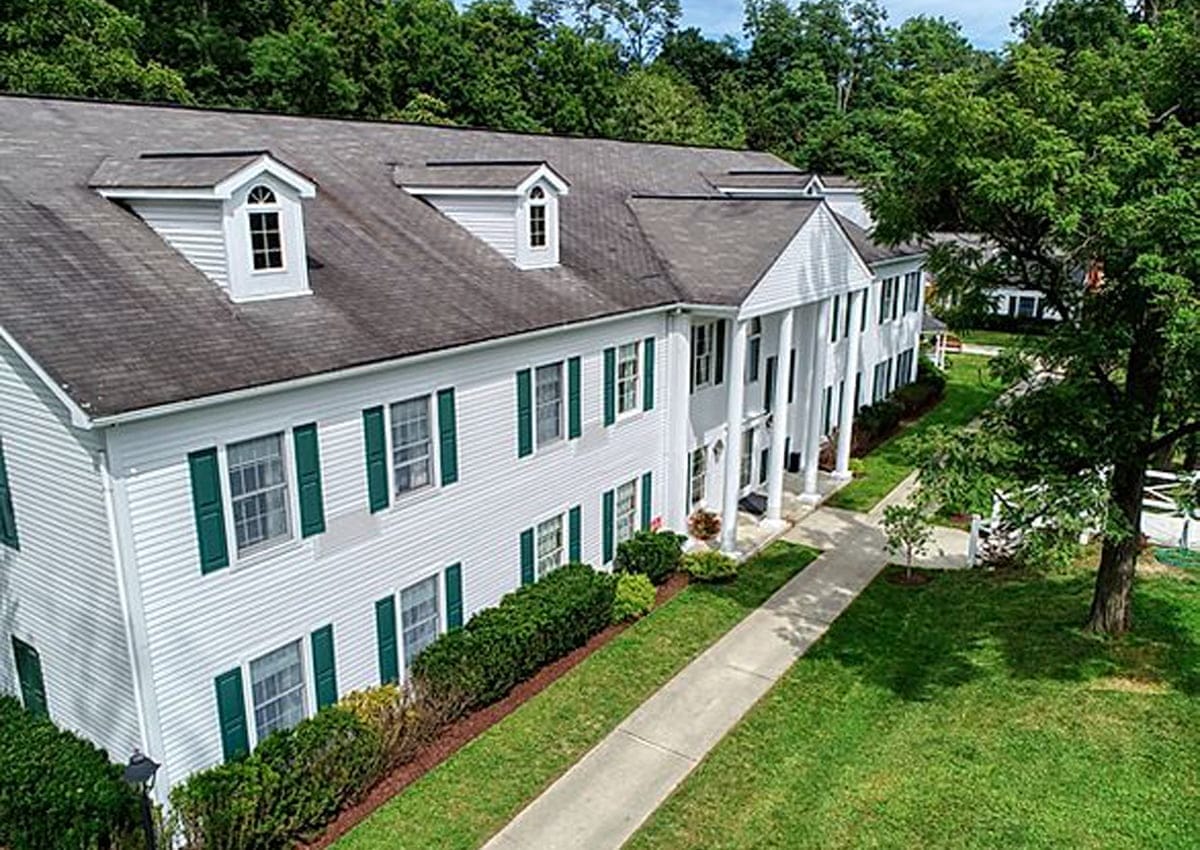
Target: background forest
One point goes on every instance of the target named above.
(816, 82)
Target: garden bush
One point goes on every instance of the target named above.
(879, 420)
(291, 786)
(634, 598)
(404, 720)
(654, 554)
(710, 566)
(499, 647)
(58, 791)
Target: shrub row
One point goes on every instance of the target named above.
(58, 791)
(710, 566)
(499, 647)
(634, 599)
(654, 554)
(875, 423)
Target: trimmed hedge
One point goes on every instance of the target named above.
(635, 597)
(710, 566)
(654, 554)
(58, 791)
(291, 786)
(499, 647)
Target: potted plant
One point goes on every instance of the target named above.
(704, 525)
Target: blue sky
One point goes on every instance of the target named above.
(984, 22)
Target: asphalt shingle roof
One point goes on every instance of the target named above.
(169, 171)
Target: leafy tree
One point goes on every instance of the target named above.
(640, 26)
(301, 71)
(657, 106)
(909, 533)
(577, 82)
(1080, 172)
(703, 62)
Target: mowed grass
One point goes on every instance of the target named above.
(969, 389)
(970, 713)
(476, 791)
(1000, 339)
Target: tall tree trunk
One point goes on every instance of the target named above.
(1111, 612)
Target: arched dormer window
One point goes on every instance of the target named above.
(537, 218)
(266, 241)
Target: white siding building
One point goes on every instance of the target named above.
(224, 503)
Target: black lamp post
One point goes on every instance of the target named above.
(140, 774)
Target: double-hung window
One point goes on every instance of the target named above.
(266, 240)
(1026, 306)
(277, 690)
(549, 546)
(698, 474)
(889, 300)
(412, 446)
(879, 389)
(753, 350)
(834, 325)
(549, 392)
(626, 510)
(704, 343)
(746, 471)
(420, 620)
(627, 377)
(258, 490)
(912, 292)
(537, 218)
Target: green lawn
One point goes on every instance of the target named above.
(1000, 339)
(475, 792)
(970, 713)
(969, 389)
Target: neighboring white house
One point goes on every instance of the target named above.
(284, 398)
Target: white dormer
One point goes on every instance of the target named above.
(512, 206)
(238, 217)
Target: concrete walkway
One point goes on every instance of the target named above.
(602, 800)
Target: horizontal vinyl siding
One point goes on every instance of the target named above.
(200, 625)
(59, 592)
(494, 220)
(193, 228)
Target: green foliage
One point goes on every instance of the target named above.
(293, 784)
(709, 565)
(634, 598)
(654, 554)
(909, 531)
(57, 790)
(499, 647)
(405, 720)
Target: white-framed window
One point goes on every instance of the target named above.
(412, 444)
(879, 389)
(753, 350)
(704, 344)
(746, 470)
(889, 301)
(698, 475)
(626, 510)
(627, 377)
(277, 690)
(912, 292)
(420, 618)
(835, 324)
(548, 382)
(1026, 306)
(266, 239)
(537, 218)
(258, 492)
(904, 364)
(550, 549)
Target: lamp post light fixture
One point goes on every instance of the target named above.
(140, 773)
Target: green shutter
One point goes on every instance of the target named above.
(8, 519)
(528, 576)
(610, 386)
(209, 510)
(454, 597)
(524, 413)
(610, 499)
(719, 354)
(385, 640)
(575, 535)
(29, 678)
(574, 398)
(231, 715)
(308, 480)
(647, 500)
(324, 667)
(376, 453)
(448, 436)
(648, 384)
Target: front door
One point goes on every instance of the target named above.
(29, 676)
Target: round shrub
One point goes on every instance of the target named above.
(634, 599)
(654, 554)
(56, 789)
(710, 566)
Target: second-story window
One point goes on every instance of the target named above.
(753, 350)
(549, 404)
(412, 449)
(266, 240)
(537, 218)
(627, 377)
(703, 346)
(258, 491)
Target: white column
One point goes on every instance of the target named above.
(820, 365)
(679, 359)
(779, 427)
(807, 319)
(735, 379)
(849, 378)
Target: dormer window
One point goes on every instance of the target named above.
(266, 241)
(537, 218)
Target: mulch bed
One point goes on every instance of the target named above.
(460, 733)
